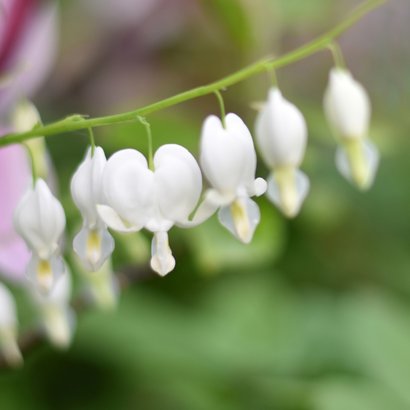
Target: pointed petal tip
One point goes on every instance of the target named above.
(162, 260)
(288, 190)
(358, 162)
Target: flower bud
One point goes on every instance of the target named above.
(347, 108)
(39, 219)
(8, 328)
(281, 134)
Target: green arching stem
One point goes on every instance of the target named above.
(77, 122)
(147, 126)
(92, 140)
(221, 105)
(337, 54)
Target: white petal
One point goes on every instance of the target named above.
(236, 127)
(25, 116)
(240, 218)
(8, 328)
(9, 347)
(358, 163)
(59, 324)
(114, 221)
(39, 219)
(45, 273)
(258, 188)
(162, 260)
(281, 132)
(210, 204)
(103, 287)
(93, 246)
(8, 315)
(288, 191)
(60, 293)
(86, 185)
(178, 182)
(346, 105)
(129, 187)
(228, 158)
(57, 317)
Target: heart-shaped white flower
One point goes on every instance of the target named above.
(228, 160)
(138, 197)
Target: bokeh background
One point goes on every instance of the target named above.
(315, 313)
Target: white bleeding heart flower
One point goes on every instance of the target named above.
(57, 317)
(8, 328)
(281, 134)
(347, 108)
(138, 197)
(39, 219)
(228, 160)
(93, 243)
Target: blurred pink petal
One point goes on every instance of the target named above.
(33, 51)
(15, 177)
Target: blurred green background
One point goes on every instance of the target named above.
(315, 313)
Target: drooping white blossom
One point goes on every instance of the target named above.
(8, 328)
(138, 197)
(281, 134)
(57, 317)
(347, 108)
(228, 160)
(39, 219)
(93, 243)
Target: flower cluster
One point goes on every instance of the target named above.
(128, 192)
